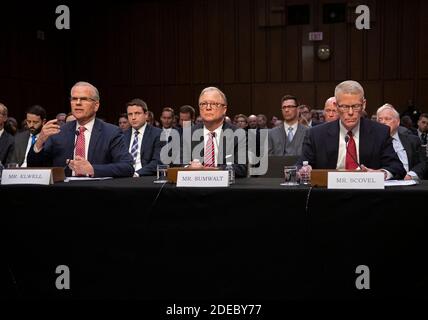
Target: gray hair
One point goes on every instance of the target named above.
(223, 96)
(96, 95)
(390, 107)
(349, 87)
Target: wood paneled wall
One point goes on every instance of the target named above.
(165, 52)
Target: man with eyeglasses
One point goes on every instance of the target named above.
(352, 142)
(217, 142)
(287, 139)
(85, 147)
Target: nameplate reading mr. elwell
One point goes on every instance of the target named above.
(355, 180)
(215, 178)
(28, 176)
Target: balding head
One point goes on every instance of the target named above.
(330, 110)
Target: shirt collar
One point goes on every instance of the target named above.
(294, 126)
(141, 130)
(217, 131)
(89, 126)
(355, 130)
(1, 132)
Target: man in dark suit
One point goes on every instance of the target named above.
(215, 142)
(142, 139)
(96, 148)
(24, 140)
(407, 146)
(6, 139)
(352, 142)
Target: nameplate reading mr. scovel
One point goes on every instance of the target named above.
(356, 180)
(27, 176)
(215, 178)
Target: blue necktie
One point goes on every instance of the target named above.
(33, 139)
(290, 134)
(134, 148)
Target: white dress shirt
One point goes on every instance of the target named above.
(88, 132)
(24, 164)
(294, 126)
(402, 154)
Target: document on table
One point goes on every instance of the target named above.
(393, 183)
(68, 179)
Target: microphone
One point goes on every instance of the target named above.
(352, 156)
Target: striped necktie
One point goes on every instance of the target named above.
(134, 148)
(209, 152)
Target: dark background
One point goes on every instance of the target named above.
(165, 52)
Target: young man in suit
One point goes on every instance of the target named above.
(406, 145)
(35, 119)
(6, 139)
(142, 139)
(287, 139)
(87, 146)
(352, 142)
(215, 142)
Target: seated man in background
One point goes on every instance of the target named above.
(406, 145)
(89, 146)
(352, 142)
(142, 139)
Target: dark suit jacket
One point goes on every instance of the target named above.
(150, 149)
(416, 155)
(226, 147)
(107, 151)
(321, 147)
(6, 147)
(21, 142)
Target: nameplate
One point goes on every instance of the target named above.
(356, 180)
(217, 178)
(27, 176)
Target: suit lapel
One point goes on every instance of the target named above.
(282, 139)
(366, 147)
(147, 133)
(95, 136)
(333, 146)
(407, 147)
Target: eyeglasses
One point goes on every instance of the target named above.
(82, 99)
(288, 107)
(355, 107)
(213, 105)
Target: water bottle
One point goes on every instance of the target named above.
(1, 169)
(229, 167)
(305, 174)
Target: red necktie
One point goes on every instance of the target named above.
(80, 143)
(209, 154)
(351, 153)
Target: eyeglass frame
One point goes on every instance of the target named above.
(82, 99)
(213, 105)
(355, 107)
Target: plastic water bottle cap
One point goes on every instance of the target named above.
(305, 163)
(229, 163)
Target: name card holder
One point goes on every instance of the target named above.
(356, 180)
(203, 178)
(40, 176)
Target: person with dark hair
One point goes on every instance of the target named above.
(142, 139)
(407, 123)
(187, 114)
(11, 126)
(261, 121)
(423, 128)
(6, 139)
(35, 118)
(124, 122)
(87, 146)
(287, 139)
